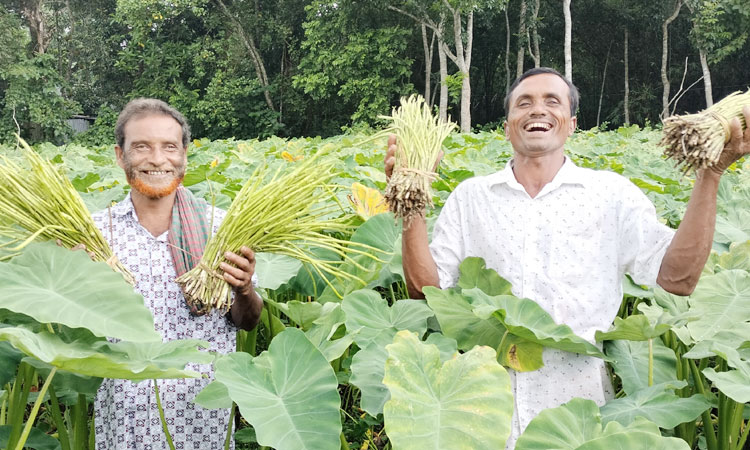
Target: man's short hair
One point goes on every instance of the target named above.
(572, 89)
(145, 106)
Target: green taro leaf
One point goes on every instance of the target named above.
(474, 274)
(461, 403)
(9, 360)
(520, 354)
(635, 327)
(381, 233)
(302, 314)
(288, 393)
(324, 329)
(657, 403)
(38, 439)
(275, 270)
(734, 383)
(526, 319)
(368, 370)
(56, 285)
(578, 425)
(127, 360)
(734, 336)
(630, 362)
(368, 314)
(458, 321)
(214, 396)
(719, 301)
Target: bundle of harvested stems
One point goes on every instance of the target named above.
(39, 203)
(288, 215)
(696, 141)
(420, 137)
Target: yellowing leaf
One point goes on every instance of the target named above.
(366, 201)
(197, 143)
(289, 157)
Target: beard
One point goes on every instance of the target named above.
(150, 191)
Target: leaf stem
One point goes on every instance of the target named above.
(35, 410)
(161, 416)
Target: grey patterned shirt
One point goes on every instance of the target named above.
(126, 415)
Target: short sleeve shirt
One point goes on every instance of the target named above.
(568, 249)
(126, 414)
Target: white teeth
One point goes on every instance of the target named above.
(156, 172)
(544, 126)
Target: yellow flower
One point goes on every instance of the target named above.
(197, 143)
(366, 201)
(215, 163)
(288, 156)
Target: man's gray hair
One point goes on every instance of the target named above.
(145, 106)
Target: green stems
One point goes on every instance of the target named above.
(230, 425)
(35, 410)
(161, 416)
(62, 430)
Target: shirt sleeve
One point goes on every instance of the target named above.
(447, 246)
(643, 238)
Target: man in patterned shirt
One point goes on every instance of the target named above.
(158, 232)
(563, 236)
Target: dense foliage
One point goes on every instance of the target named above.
(371, 369)
(259, 68)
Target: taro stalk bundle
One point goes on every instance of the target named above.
(292, 214)
(420, 137)
(696, 141)
(39, 203)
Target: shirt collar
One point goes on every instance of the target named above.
(569, 173)
(123, 207)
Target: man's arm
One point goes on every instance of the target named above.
(247, 306)
(419, 267)
(687, 253)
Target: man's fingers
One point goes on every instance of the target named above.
(390, 158)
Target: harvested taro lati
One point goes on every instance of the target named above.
(420, 138)
(695, 141)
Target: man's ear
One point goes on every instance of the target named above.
(573, 125)
(505, 127)
(119, 156)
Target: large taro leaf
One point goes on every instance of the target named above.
(381, 233)
(719, 301)
(734, 383)
(738, 257)
(302, 314)
(275, 270)
(214, 396)
(458, 321)
(577, 425)
(129, 360)
(56, 285)
(324, 332)
(630, 362)
(67, 385)
(369, 315)
(657, 403)
(526, 319)
(733, 336)
(635, 327)
(374, 324)
(474, 274)
(9, 359)
(288, 393)
(461, 403)
(38, 439)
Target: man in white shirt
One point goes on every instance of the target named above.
(563, 236)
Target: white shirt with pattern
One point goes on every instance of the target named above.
(568, 249)
(126, 415)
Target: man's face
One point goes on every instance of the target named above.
(153, 159)
(539, 120)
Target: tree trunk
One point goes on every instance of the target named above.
(255, 56)
(428, 48)
(626, 100)
(536, 52)
(664, 58)
(568, 33)
(443, 60)
(507, 51)
(462, 59)
(32, 10)
(706, 79)
(521, 38)
(601, 91)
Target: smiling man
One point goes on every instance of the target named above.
(159, 232)
(563, 236)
